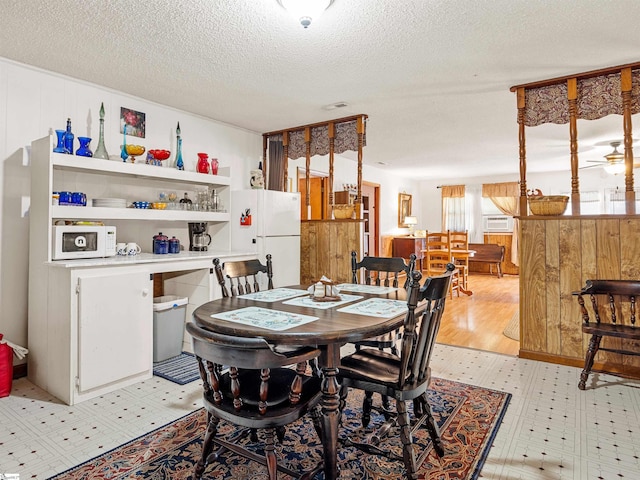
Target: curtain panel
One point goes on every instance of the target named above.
(453, 208)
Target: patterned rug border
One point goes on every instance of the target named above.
(161, 444)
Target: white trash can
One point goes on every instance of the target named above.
(169, 313)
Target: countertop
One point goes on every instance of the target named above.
(149, 258)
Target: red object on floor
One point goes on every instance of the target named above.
(6, 369)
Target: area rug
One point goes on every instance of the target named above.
(468, 417)
(181, 369)
(512, 330)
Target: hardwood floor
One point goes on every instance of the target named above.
(477, 321)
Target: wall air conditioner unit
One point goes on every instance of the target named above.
(497, 223)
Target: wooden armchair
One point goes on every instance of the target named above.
(248, 384)
(614, 318)
(404, 377)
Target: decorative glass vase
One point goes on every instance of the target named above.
(60, 147)
(179, 162)
(123, 151)
(84, 150)
(203, 163)
(214, 166)
(101, 150)
(68, 138)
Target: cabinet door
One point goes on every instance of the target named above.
(115, 328)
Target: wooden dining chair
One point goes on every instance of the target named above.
(242, 276)
(404, 377)
(249, 385)
(460, 241)
(381, 271)
(436, 264)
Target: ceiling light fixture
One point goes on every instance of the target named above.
(305, 10)
(614, 168)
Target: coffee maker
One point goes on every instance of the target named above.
(199, 239)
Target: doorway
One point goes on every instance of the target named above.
(318, 198)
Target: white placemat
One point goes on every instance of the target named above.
(274, 295)
(311, 303)
(265, 318)
(377, 307)
(359, 288)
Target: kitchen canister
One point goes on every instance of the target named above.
(160, 244)
(174, 245)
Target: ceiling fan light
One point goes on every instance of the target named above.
(614, 168)
(305, 11)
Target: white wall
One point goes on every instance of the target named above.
(346, 171)
(34, 103)
(550, 183)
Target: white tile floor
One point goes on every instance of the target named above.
(551, 429)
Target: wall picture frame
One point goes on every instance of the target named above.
(404, 208)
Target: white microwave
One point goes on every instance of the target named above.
(83, 241)
(497, 223)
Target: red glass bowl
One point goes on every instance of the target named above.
(160, 154)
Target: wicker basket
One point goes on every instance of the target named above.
(548, 204)
(343, 211)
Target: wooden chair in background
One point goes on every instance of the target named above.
(404, 377)
(460, 241)
(437, 256)
(242, 276)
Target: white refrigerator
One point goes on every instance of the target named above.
(274, 229)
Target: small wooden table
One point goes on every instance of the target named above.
(332, 330)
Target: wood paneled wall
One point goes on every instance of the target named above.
(557, 256)
(325, 249)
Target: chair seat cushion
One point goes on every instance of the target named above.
(371, 365)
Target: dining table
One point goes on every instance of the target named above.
(362, 311)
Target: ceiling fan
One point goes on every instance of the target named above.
(613, 162)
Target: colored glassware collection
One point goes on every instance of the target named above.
(65, 144)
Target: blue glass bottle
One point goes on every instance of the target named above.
(123, 149)
(68, 138)
(179, 162)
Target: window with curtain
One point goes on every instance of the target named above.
(505, 196)
(453, 208)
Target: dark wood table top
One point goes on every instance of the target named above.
(332, 326)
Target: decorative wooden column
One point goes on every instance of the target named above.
(285, 153)
(522, 151)
(307, 142)
(332, 141)
(572, 97)
(360, 132)
(629, 194)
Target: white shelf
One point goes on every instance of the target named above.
(112, 167)
(102, 213)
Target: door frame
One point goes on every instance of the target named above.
(302, 176)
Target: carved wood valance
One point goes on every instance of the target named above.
(324, 138)
(590, 96)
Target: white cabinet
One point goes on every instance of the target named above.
(115, 325)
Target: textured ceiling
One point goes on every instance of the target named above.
(433, 75)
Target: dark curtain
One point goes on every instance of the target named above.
(275, 168)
